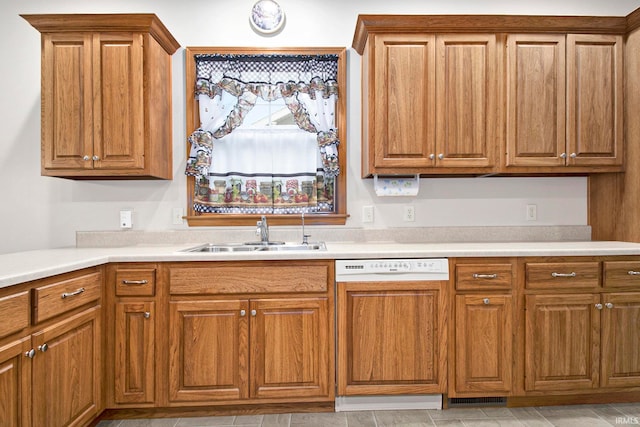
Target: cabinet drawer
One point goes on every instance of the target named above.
(240, 279)
(622, 274)
(483, 276)
(15, 313)
(136, 282)
(55, 298)
(554, 275)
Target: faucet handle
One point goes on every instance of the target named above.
(258, 228)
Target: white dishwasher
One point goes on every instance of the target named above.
(376, 369)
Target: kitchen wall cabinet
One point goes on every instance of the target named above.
(429, 102)
(106, 96)
(131, 338)
(564, 98)
(236, 336)
(434, 87)
(481, 354)
(375, 320)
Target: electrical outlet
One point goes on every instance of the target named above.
(367, 214)
(126, 219)
(409, 213)
(176, 216)
(532, 213)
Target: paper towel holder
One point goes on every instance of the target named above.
(396, 185)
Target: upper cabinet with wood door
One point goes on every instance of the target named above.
(480, 94)
(429, 103)
(106, 96)
(564, 103)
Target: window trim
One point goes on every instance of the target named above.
(339, 217)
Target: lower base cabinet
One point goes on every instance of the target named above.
(483, 344)
(15, 383)
(250, 332)
(582, 341)
(230, 350)
(67, 371)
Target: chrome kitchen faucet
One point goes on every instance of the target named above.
(263, 229)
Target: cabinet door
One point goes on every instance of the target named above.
(15, 384)
(209, 350)
(291, 348)
(118, 103)
(67, 120)
(595, 99)
(562, 342)
(391, 338)
(403, 108)
(483, 347)
(535, 100)
(620, 340)
(67, 371)
(134, 352)
(466, 118)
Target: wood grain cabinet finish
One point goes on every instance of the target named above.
(580, 337)
(67, 371)
(595, 85)
(132, 365)
(233, 341)
(436, 87)
(481, 333)
(536, 100)
(391, 338)
(429, 103)
(106, 96)
(15, 383)
(483, 344)
(135, 362)
(562, 342)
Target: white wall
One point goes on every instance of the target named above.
(40, 212)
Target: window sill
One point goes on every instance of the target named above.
(236, 220)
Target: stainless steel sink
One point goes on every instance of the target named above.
(257, 246)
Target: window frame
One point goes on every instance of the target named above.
(339, 217)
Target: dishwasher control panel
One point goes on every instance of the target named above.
(392, 269)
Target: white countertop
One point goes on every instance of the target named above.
(25, 266)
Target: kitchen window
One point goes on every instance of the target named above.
(266, 132)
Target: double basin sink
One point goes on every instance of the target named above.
(257, 246)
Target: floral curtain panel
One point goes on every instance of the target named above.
(281, 170)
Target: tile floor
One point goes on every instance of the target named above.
(627, 414)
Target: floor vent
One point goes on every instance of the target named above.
(466, 402)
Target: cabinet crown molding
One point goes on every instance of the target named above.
(369, 24)
(118, 22)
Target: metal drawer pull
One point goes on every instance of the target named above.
(72, 294)
(30, 354)
(633, 273)
(147, 315)
(599, 306)
(609, 305)
(486, 301)
(243, 313)
(485, 276)
(135, 282)
(253, 313)
(44, 347)
(572, 274)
